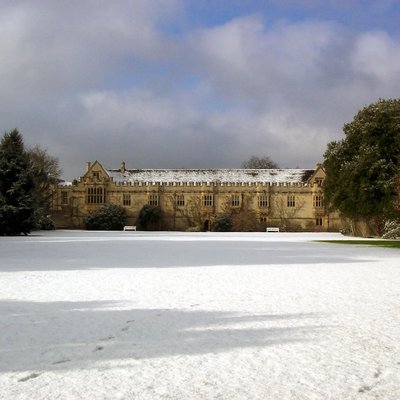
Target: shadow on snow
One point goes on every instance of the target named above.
(70, 335)
(47, 255)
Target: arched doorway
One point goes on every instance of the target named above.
(207, 225)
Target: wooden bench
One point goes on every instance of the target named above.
(129, 228)
(272, 229)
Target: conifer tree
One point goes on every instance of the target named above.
(363, 169)
(16, 186)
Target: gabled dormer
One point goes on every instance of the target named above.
(318, 177)
(95, 173)
(95, 182)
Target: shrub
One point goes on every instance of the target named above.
(391, 229)
(222, 223)
(245, 221)
(149, 216)
(109, 217)
(43, 221)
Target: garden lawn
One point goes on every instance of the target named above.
(379, 243)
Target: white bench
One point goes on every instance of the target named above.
(129, 228)
(272, 229)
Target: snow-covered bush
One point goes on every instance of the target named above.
(44, 221)
(391, 229)
(109, 217)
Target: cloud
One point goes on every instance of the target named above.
(377, 57)
(133, 80)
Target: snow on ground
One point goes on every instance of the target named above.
(133, 315)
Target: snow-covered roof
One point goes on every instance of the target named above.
(211, 175)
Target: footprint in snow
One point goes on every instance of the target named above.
(26, 378)
(61, 361)
(98, 348)
(364, 388)
(107, 338)
(367, 388)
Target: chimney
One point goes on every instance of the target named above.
(88, 165)
(122, 169)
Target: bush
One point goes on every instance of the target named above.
(109, 217)
(391, 229)
(245, 221)
(43, 221)
(149, 216)
(222, 223)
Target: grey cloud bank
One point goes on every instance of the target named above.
(112, 81)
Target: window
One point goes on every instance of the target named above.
(263, 201)
(318, 181)
(235, 200)
(153, 199)
(317, 201)
(96, 174)
(180, 200)
(208, 200)
(64, 198)
(95, 195)
(126, 199)
(291, 201)
(318, 221)
(263, 219)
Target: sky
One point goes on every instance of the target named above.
(192, 83)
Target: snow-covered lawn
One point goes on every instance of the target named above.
(132, 315)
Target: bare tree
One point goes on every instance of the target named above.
(191, 212)
(46, 175)
(285, 213)
(255, 162)
(47, 171)
(243, 218)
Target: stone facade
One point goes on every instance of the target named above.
(291, 199)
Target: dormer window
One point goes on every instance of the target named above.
(318, 181)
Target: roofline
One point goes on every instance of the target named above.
(210, 169)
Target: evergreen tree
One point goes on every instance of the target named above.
(16, 186)
(363, 169)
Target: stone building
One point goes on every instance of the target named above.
(291, 199)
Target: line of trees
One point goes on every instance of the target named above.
(26, 178)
